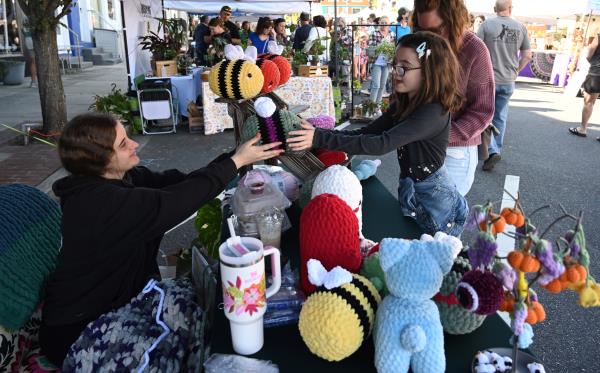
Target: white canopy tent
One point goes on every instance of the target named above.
(242, 6)
(539, 9)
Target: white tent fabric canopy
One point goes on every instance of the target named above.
(540, 9)
(243, 6)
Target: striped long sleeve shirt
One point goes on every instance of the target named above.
(477, 86)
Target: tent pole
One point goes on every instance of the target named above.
(336, 41)
(125, 44)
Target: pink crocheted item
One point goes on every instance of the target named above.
(322, 121)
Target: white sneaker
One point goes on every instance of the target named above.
(365, 92)
(385, 95)
(378, 112)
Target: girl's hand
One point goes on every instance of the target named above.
(301, 139)
(248, 152)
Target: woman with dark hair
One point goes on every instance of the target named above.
(245, 32)
(217, 29)
(263, 34)
(281, 37)
(450, 19)
(425, 77)
(317, 34)
(114, 215)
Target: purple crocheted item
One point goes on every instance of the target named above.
(480, 292)
(271, 129)
(322, 121)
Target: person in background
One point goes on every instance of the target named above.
(245, 32)
(302, 32)
(114, 216)
(402, 28)
(591, 88)
(477, 22)
(371, 21)
(201, 46)
(281, 36)
(450, 19)
(380, 70)
(360, 57)
(317, 33)
(230, 27)
(263, 34)
(504, 38)
(416, 126)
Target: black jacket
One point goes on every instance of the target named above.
(111, 231)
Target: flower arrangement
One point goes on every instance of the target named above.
(388, 49)
(555, 265)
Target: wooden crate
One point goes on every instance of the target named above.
(170, 66)
(312, 71)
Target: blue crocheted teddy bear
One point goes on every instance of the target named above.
(408, 331)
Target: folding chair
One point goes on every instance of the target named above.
(157, 107)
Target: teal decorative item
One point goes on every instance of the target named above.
(29, 243)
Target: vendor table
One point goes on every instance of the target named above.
(548, 66)
(186, 89)
(316, 92)
(284, 346)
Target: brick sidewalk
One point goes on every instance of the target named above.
(29, 164)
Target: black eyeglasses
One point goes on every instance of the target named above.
(401, 70)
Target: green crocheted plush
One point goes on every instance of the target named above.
(29, 243)
(456, 319)
(273, 125)
(371, 269)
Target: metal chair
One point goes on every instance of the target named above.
(157, 107)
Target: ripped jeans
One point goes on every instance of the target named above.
(434, 203)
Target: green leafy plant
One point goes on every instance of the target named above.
(288, 52)
(356, 85)
(183, 62)
(384, 105)
(166, 47)
(317, 48)
(208, 225)
(386, 48)
(369, 107)
(116, 103)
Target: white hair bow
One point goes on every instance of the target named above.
(318, 275)
(235, 52)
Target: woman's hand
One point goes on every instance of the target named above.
(248, 152)
(301, 139)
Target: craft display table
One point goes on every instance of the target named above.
(284, 346)
(317, 93)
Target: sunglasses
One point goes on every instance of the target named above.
(401, 70)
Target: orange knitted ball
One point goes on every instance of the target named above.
(271, 73)
(285, 69)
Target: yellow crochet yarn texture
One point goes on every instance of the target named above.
(236, 79)
(335, 322)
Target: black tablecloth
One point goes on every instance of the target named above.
(284, 346)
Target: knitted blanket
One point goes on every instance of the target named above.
(117, 341)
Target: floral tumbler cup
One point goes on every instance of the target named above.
(244, 293)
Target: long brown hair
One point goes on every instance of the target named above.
(439, 71)
(85, 146)
(453, 13)
(263, 24)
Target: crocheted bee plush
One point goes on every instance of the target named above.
(238, 77)
(271, 74)
(328, 233)
(273, 124)
(274, 55)
(408, 331)
(339, 316)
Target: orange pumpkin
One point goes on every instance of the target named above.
(529, 264)
(539, 311)
(554, 286)
(513, 216)
(515, 258)
(497, 226)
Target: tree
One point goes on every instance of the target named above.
(43, 19)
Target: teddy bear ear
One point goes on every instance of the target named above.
(391, 250)
(443, 253)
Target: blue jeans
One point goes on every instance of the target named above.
(379, 76)
(503, 93)
(434, 203)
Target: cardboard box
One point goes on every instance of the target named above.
(195, 118)
(169, 65)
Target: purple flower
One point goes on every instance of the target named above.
(483, 251)
(475, 217)
(543, 251)
(575, 250)
(505, 274)
(519, 316)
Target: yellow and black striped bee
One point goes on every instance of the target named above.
(236, 79)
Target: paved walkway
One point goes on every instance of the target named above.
(32, 164)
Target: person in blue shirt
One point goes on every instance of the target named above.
(263, 34)
(402, 28)
(302, 32)
(201, 46)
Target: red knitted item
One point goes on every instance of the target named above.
(270, 72)
(331, 157)
(285, 69)
(328, 233)
(488, 289)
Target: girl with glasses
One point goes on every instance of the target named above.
(425, 77)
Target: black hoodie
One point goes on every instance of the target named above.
(111, 231)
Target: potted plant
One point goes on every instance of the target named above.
(298, 60)
(388, 50)
(316, 50)
(118, 104)
(167, 47)
(368, 108)
(184, 62)
(12, 72)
